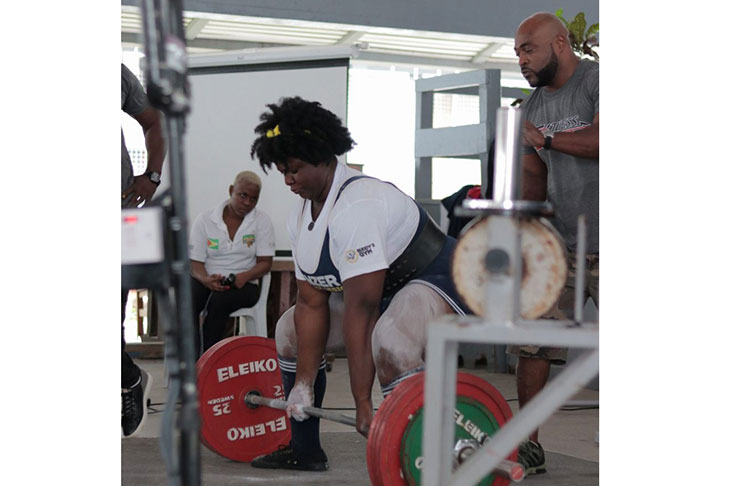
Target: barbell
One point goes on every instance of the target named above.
(254, 400)
(242, 408)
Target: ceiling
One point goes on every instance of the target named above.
(206, 32)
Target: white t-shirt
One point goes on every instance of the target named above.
(210, 242)
(370, 225)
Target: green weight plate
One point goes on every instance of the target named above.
(480, 412)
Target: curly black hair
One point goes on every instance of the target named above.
(306, 131)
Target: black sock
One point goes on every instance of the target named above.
(305, 435)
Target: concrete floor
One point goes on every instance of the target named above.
(568, 438)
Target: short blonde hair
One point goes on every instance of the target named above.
(248, 176)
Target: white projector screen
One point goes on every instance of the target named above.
(226, 103)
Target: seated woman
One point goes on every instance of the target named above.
(373, 270)
(235, 239)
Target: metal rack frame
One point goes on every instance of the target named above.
(501, 325)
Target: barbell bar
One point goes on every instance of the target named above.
(253, 399)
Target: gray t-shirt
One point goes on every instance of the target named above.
(573, 182)
(133, 101)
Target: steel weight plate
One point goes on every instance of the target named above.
(544, 266)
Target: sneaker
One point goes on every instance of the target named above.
(284, 458)
(134, 405)
(532, 457)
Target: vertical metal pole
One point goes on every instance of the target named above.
(503, 261)
(441, 362)
(423, 165)
(167, 89)
(581, 243)
(189, 420)
(504, 264)
(490, 99)
(507, 172)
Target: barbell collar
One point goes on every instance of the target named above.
(514, 471)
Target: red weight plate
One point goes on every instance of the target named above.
(375, 445)
(226, 373)
(380, 421)
(389, 432)
(389, 451)
(199, 364)
(212, 350)
(370, 448)
(374, 434)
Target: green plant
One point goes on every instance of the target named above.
(583, 40)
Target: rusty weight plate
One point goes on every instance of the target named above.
(544, 266)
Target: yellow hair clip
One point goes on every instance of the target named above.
(274, 132)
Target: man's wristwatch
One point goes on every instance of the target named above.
(548, 139)
(154, 177)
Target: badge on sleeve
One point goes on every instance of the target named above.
(351, 256)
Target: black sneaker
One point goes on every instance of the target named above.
(134, 405)
(284, 458)
(532, 457)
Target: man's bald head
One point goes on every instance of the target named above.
(544, 50)
(545, 24)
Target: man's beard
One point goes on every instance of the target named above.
(546, 75)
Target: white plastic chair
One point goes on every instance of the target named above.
(254, 317)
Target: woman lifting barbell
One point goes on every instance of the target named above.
(372, 270)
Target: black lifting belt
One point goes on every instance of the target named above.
(424, 248)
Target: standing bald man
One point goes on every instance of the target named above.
(560, 164)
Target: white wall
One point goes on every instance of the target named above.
(225, 109)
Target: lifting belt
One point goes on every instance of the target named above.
(425, 246)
